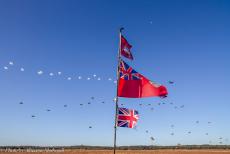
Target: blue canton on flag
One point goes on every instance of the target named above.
(127, 72)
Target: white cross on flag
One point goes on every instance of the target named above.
(127, 117)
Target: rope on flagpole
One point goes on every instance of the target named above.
(116, 99)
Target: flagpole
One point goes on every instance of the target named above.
(116, 100)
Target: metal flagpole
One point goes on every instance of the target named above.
(116, 99)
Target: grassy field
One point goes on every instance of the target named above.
(130, 152)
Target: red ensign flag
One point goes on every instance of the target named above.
(134, 85)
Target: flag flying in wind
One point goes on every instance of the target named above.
(125, 48)
(134, 85)
(127, 117)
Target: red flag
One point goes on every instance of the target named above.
(125, 48)
(134, 85)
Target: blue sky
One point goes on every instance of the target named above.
(183, 41)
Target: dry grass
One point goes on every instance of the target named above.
(129, 152)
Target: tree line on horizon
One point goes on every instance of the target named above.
(137, 147)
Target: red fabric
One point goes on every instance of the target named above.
(126, 48)
(140, 88)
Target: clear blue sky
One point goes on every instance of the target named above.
(183, 41)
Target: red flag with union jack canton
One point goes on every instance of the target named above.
(134, 85)
(126, 48)
(127, 117)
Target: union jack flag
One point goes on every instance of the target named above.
(127, 72)
(127, 117)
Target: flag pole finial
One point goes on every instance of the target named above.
(121, 29)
